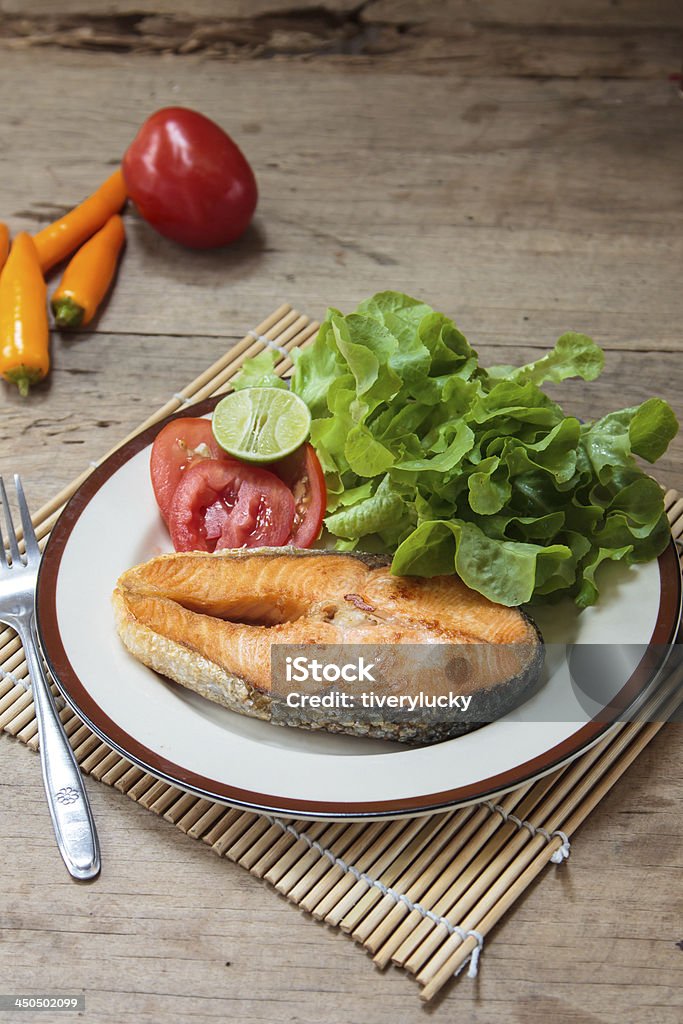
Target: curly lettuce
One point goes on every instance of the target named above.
(454, 468)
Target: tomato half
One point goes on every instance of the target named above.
(177, 446)
(189, 180)
(303, 474)
(220, 505)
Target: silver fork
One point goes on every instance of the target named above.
(66, 797)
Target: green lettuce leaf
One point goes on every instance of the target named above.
(505, 571)
(372, 514)
(574, 355)
(453, 467)
(259, 372)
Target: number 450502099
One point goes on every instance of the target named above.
(22, 1002)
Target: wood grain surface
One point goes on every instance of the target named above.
(519, 166)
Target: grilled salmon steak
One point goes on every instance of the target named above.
(209, 622)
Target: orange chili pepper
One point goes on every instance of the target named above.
(87, 277)
(58, 240)
(24, 329)
(4, 244)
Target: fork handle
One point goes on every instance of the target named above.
(66, 796)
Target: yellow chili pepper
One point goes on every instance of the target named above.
(58, 240)
(87, 277)
(4, 243)
(24, 329)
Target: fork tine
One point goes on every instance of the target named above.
(12, 537)
(30, 540)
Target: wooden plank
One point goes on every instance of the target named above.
(517, 218)
(554, 196)
(596, 14)
(237, 9)
(498, 51)
(494, 39)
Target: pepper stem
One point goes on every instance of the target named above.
(67, 313)
(23, 378)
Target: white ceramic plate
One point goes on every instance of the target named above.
(113, 523)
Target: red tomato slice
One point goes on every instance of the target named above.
(303, 474)
(220, 505)
(179, 444)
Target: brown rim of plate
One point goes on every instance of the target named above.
(78, 697)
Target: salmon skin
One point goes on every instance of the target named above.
(209, 620)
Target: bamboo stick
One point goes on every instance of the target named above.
(97, 754)
(387, 915)
(116, 772)
(15, 693)
(25, 730)
(208, 818)
(127, 781)
(79, 736)
(165, 799)
(273, 839)
(368, 842)
(72, 727)
(676, 509)
(106, 764)
(386, 935)
(17, 686)
(223, 823)
(275, 834)
(414, 861)
(196, 811)
(70, 722)
(9, 643)
(304, 863)
(234, 832)
(6, 684)
(258, 827)
(157, 789)
(389, 868)
(142, 786)
(374, 862)
(180, 808)
(281, 850)
(21, 699)
(15, 666)
(288, 328)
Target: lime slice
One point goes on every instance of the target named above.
(261, 424)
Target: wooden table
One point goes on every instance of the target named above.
(519, 166)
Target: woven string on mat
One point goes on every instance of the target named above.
(421, 892)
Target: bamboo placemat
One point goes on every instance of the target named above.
(422, 893)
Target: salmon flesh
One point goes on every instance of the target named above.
(209, 621)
